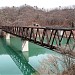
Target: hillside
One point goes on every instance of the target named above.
(27, 15)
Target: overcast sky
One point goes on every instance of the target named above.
(40, 3)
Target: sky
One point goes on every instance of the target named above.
(47, 4)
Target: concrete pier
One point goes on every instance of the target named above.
(25, 45)
(60, 32)
(8, 38)
(25, 49)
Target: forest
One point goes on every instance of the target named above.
(27, 15)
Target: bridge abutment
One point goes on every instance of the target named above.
(1, 33)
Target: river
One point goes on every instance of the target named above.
(15, 62)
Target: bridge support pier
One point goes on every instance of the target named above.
(25, 49)
(8, 38)
(25, 45)
(60, 32)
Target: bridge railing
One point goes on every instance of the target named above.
(59, 39)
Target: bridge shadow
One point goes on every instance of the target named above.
(19, 60)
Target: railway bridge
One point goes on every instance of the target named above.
(48, 37)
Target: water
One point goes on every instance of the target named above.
(15, 62)
(12, 61)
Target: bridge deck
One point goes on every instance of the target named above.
(48, 37)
